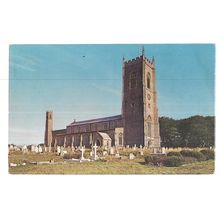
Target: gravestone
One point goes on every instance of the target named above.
(32, 148)
(94, 152)
(154, 150)
(91, 153)
(82, 149)
(131, 156)
(104, 153)
(62, 151)
(24, 149)
(112, 151)
(163, 150)
(45, 149)
(117, 155)
(40, 150)
(36, 149)
(58, 150)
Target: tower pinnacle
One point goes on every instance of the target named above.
(153, 60)
(142, 50)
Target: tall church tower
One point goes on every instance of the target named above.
(48, 129)
(139, 106)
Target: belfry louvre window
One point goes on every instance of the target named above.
(132, 81)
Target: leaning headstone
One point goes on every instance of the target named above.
(163, 150)
(127, 146)
(131, 156)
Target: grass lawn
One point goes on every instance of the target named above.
(110, 166)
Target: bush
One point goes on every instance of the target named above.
(173, 161)
(174, 153)
(189, 160)
(196, 154)
(209, 154)
(67, 156)
(156, 160)
(76, 155)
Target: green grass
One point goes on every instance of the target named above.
(110, 166)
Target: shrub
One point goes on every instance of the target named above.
(173, 161)
(174, 153)
(189, 160)
(196, 154)
(209, 154)
(156, 160)
(76, 155)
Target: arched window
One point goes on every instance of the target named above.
(148, 80)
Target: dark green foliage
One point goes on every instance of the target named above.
(188, 160)
(76, 155)
(196, 131)
(173, 161)
(174, 153)
(67, 156)
(196, 154)
(209, 154)
(156, 160)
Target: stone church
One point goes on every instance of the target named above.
(138, 123)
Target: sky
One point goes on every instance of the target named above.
(85, 81)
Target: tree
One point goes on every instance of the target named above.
(196, 131)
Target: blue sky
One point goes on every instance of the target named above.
(85, 81)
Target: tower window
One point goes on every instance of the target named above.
(148, 81)
(149, 129)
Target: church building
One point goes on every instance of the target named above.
(137, 125)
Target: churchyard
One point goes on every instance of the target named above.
(110, 160)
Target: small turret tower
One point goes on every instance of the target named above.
(48, 129)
